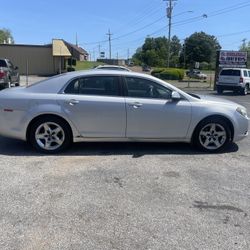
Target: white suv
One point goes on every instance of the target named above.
(235, 79)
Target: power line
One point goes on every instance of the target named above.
(179, 23)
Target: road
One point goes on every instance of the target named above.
(125, 196)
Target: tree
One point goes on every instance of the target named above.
(154, 52)
(245, 46)
(6, 36)
(199, 47)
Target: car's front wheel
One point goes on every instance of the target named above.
(50, 135)
(212, 135)
(219, 90)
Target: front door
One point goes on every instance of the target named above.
(152, 114)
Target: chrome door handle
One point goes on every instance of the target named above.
(135, 105)
(73, 102)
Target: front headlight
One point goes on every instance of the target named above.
(242, 111)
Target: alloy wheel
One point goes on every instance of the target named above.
(212, 136)
(49, 136)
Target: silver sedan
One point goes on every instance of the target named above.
(106, 105)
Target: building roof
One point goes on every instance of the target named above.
(78, 49)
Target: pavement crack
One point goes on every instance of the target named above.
(204, 205)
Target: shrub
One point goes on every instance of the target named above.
(168, 73)
(69, 69)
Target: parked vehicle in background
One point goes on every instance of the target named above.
(146, 68)
(9, 76)
(197, 74)
(106, 105)
(235, 79)
(112, 67)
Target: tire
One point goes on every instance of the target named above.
(244, 91)
(50, 135)
(9, 84)
(219, 90)
(212, 135)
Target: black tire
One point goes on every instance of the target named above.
(219, 90)
(66, 134)
(221, 126)
(244, 91)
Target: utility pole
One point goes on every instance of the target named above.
(99, 51)
(169, 16)
(128, 54)
(76, 40)
(109, 34)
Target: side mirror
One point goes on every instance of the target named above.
(175, 96)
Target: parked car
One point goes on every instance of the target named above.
(105, 105)
(146, 68)
(197, 74)
(236, 79)
(9, 75)
(112, 67)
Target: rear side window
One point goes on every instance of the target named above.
(3, 63)
(230, 72)
(245, 73)
(248, 73)
(95, 85)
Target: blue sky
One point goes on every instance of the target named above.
(130, 21)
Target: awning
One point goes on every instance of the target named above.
(59, 48)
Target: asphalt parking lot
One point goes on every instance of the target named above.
(125, 196)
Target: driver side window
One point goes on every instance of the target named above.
(143, 88)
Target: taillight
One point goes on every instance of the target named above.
(2, 74)
(241, 79)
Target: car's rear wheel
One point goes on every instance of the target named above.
(50, 135)
(212, 135)
(244, 91)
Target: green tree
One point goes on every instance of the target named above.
(245, 46)
(5, 36)
(154, 52)
(199, 47)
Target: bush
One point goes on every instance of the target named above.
(69, 69)
(168, 73)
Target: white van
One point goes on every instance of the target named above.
(236, 79)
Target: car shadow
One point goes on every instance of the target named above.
(13, 147)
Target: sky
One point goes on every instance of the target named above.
(129, 21)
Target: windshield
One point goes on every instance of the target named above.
(230, 72)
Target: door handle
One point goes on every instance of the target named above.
(73, 102)
(135, 105)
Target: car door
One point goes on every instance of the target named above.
(95, 105)
(151, 113)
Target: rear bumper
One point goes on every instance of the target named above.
(229, 87)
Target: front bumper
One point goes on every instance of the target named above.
(241, 127)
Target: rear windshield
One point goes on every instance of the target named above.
(3, 63)
(230, 72)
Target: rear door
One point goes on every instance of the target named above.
(230, 77)
(95, 105)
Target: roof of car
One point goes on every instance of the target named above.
(112, 66)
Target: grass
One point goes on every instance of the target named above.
(86, 65)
